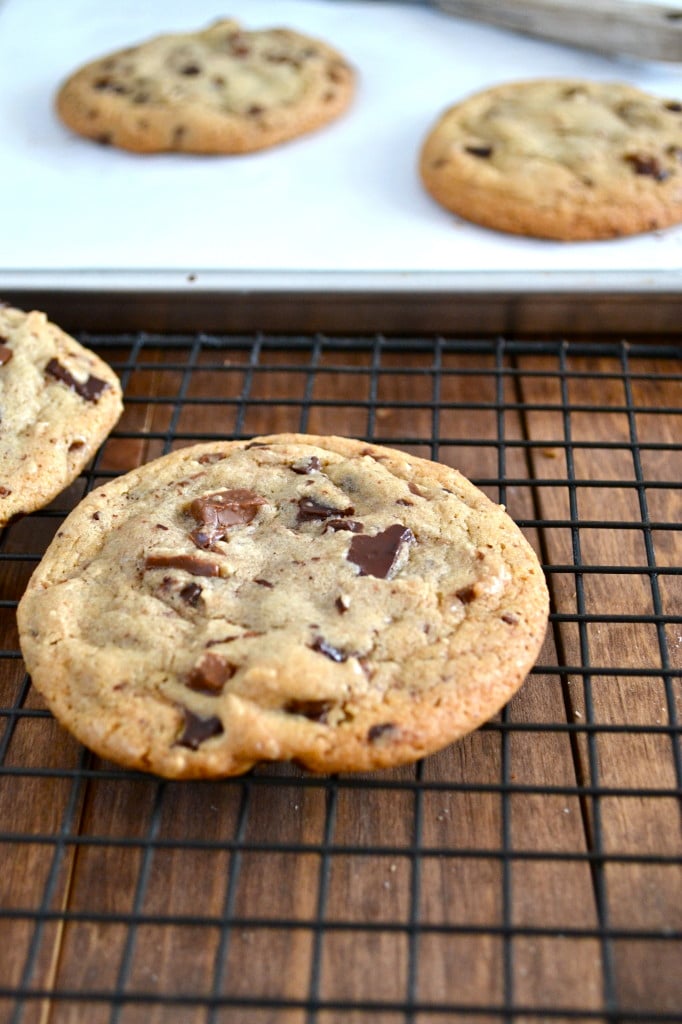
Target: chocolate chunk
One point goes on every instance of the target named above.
(255, 110)
(90, 389)
(190, 594)
(480, 151)
(323, 646)
(674, 106)
(4, 491)
(5, 354)
(510, 618)
(310, 510)
(210, 457)
(467, 594)
(218, 512)
(264, 583)
(342, 604)
(649, 165)
(311, 465)
(197, 729)
(383, 731)
(109, 85)
(376, 556)
(190, 69)
(189, 563)
(210, 674)
(352, 525)
(315, 710)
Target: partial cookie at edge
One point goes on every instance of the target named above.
(58, 402)
(564, 159)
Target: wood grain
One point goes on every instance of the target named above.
(467, 881)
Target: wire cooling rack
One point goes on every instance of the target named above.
(530, 872)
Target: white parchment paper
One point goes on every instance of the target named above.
(344, 200)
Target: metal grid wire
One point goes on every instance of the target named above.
(483, 884)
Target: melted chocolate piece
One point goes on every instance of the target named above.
(91, 389)
(323, 646)
(467, 594)
(674, 106)
(376, 556)
(4, 491)
(643, 164)
(109, 85)
(264, 583)
(5, 354)
(216, 513)
(352, 525)
(313, 465)
(190, 563)
(315, 710)
(210, 458)
(383, 731)
(197, 729)
(210, 674)
(480, 151)
(310, 510)
(190, 594)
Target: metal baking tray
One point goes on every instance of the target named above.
(331, 228)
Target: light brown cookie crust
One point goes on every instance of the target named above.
(364, 608)
(564, 159)
(58, 402)
(221, 90)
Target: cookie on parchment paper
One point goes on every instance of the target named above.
(559, 158)
(222, 90)
(58, 402)
(317, 599)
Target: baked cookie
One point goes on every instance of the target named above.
(319, 599)
(563, 159)
(58, 402)
(223, 90)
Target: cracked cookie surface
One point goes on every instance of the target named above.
(559, 158)
(294, 597)
(58, 402)
(222, 90)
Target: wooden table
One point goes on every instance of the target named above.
(528, 873)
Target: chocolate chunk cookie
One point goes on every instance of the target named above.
(58, 402)
(223, 90)
(562, 159)
(319, 599)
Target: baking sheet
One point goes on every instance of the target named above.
(343, 206)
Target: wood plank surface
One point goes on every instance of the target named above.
(468, 881)
(632, 895)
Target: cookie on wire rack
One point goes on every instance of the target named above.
(221, 90)
(58, 402)
(563, 159)
(316, 599)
